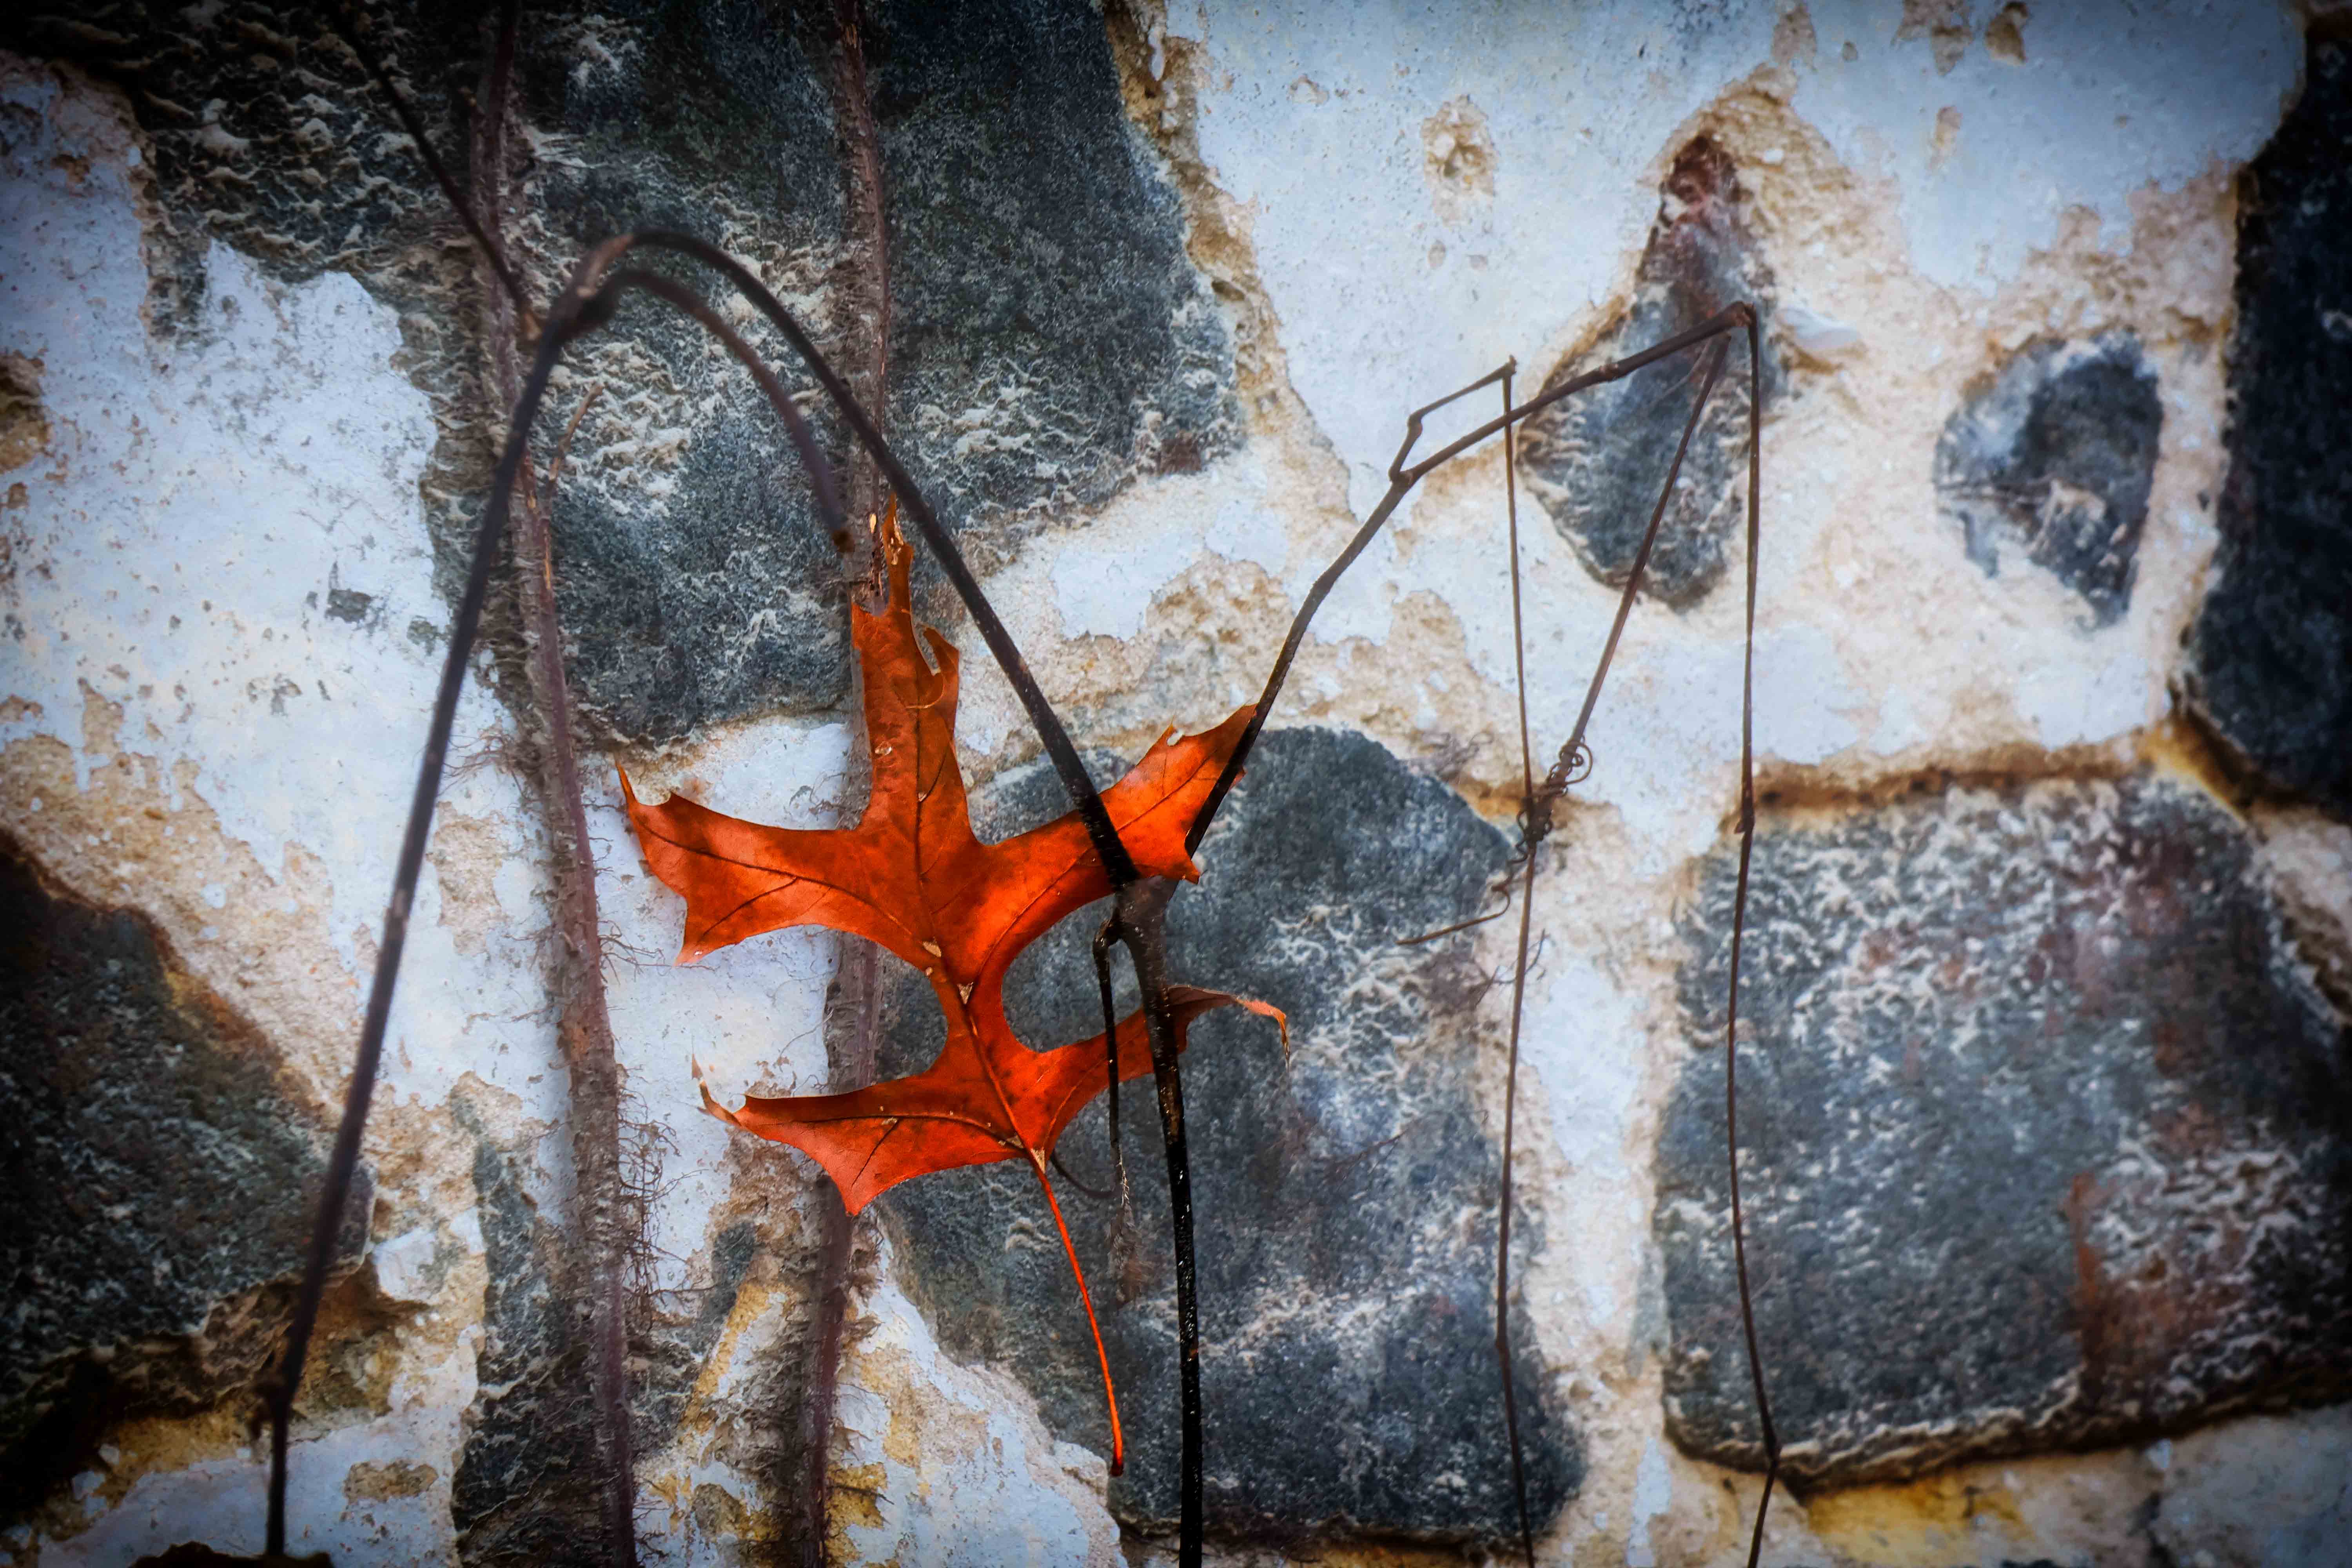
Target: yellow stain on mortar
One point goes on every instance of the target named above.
(855, 1499)
(922, 1433)
(2178, 749)
(1919, 1524)
(164, 1443)
(751, 1298)
(708, 1503)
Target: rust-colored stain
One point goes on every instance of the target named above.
(2093, 1311)
(1926, 1523)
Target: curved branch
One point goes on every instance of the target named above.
(1401, 479)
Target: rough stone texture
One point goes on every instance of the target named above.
(2270, 659)
(263, 134)
(525, 1487)
(2053, 457)
(1597, 460)
(1344, 1206)
(157, 1187)
(1049, 337)
(2046, 1138)
(694, 581)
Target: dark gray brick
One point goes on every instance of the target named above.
(1596, 461)
(2052, 458)
(157, 1173)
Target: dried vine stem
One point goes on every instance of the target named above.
(587, 304)
(1739, 930)
(856, 1002)
(1518, 991)
(1140, 903)
(1534, 815)
(1573, 764)
(601, 1211)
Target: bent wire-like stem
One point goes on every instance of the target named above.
(1574, 761)
(584, 306)
(1518, 997)
(1536, 818)
(587, 304)
(584, 1026)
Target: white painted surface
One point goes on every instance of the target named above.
(1654, 1493)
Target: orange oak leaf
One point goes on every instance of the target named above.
(913, 876)
(968, 1108)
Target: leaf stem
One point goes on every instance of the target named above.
(1085, 1298)
(1518, 1000)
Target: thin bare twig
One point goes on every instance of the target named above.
(1574, 761)
(857, 995)
(1738, 929)
(563, 443)
(603, 1218)
(586, 305)
(1518, 1000)
(1401, 480)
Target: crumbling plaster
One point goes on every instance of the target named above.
(190, 726)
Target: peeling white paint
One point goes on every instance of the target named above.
(194, 509)
(1107, 591)
(400, 1264)
(750, 1016)
(2112, 96)
(221, 1502)
(1584, 1037)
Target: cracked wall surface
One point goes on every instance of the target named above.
(2049, 962)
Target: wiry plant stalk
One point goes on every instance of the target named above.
(604, 1218)
(586, 305)
(853, 1039)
